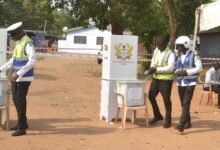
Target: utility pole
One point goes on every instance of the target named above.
(45, 25)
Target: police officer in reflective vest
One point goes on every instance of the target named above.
(22, 63)
(188, 66)
(162, 68)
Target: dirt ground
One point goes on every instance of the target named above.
(63, 114)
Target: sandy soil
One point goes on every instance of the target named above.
(63, 114)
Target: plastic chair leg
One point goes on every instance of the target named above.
(116, 117)
(124, 117)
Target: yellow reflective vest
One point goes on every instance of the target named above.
(20, 57)
(162, 61)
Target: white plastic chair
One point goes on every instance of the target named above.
(210, 94)
(134, 109)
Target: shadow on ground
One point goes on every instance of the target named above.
(45, 77)
(64, 126)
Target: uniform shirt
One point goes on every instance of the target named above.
(212, 77)
(191, 71)
(159, 55)
(30, 51)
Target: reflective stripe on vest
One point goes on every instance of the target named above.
(163, 62)
(188, 64)
(20, 57)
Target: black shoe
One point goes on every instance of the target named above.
(167, 124)
(19, 132)
(188, 125)
(16, 127)
(13, 128)
(179, 128)
(154, 120)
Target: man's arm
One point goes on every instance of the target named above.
(153, 58)
(7, 65)
(152, 68)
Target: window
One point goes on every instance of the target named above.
(80, 39)
(99, 40)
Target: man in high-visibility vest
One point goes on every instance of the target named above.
(162, 68)
(22, 64)
(188, 66)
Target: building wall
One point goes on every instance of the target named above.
(90, 47)
(210, 45)
(209, 48)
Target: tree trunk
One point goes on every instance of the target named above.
(172, 22)
(117, 29)
(116, 26)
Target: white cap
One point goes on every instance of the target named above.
(14, 26)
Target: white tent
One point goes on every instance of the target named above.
(207, 17)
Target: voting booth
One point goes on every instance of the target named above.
(119, 64)
(4, 99)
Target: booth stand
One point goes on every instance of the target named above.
(4, 91)
(4, 103)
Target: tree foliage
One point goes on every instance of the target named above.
(33, 14)
(120, 14)
(145, 18)
(181, 16)
(185, 14)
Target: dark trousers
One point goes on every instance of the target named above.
(218, 100)
(19, 93)
(164, 87)
(185, 94)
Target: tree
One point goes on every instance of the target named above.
(117, 13)
(145, 18)
(172, 22)
(60, 20)
(33, 14)
(14, 11)
(181, 16)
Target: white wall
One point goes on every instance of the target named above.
(3, 48)
(89, 48)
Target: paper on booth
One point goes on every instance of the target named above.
(134, 93)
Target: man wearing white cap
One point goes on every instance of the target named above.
(22, 64)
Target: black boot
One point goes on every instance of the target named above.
(16, 127)
(19, 132)
(155, 119)
(179, 128)
(218, 101)
(188, 125)
(167, 124)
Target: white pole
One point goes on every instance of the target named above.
(45, 25)
(197, 17)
